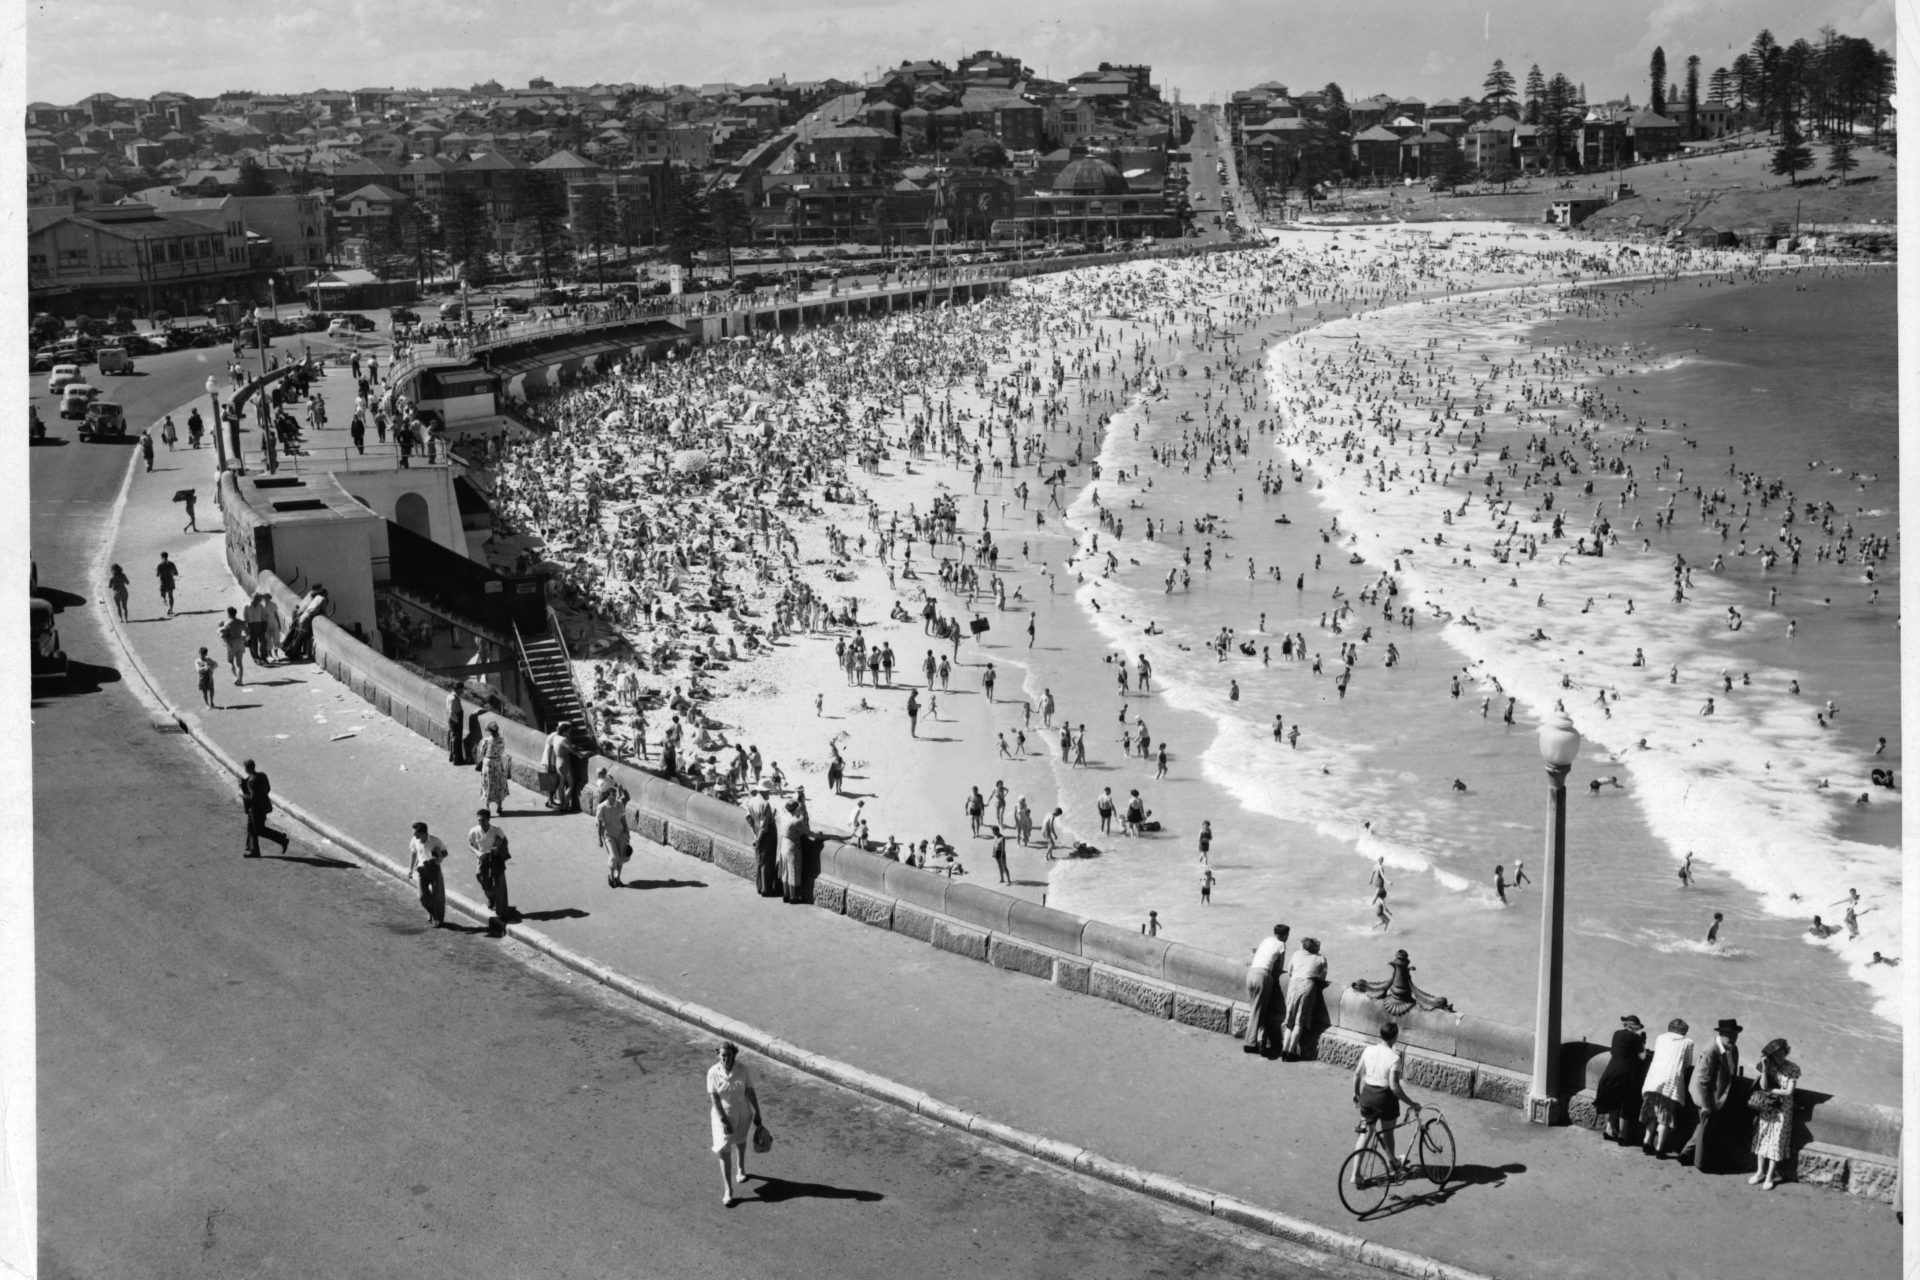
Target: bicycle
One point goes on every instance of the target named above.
(1367, 1175)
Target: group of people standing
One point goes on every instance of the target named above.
(1678, 1084)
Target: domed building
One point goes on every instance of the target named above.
(1090, 199)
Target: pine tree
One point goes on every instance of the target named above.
(1792, 156)
(1657, 73)
(1498, 86)
(1765, 56)
(1840, 158)
(1558, 122)
(1693, 95)
(1719, 84)
(1746, 82)
(1536, 92)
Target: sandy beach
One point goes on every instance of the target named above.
(1178, 394)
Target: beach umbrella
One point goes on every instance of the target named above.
(691, 461)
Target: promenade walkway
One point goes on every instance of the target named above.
(1157, 1095)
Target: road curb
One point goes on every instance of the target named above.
(1127, 1177)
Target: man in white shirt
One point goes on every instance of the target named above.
(610, 816)
(1378, 1093)
(1263, 990)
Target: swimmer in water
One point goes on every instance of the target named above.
(1880, 959)
(1500, 884)
(1819, 930)
(1713, 930)
(1686, 871)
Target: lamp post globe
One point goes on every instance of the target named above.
(219, 440)
(1559, 740)
(1559, 747)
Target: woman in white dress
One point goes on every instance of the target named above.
(735, 1111)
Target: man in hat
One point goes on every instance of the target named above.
(766, 842)
(1713, 1077)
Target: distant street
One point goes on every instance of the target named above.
(272, 1068)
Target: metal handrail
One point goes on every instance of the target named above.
(586, 708)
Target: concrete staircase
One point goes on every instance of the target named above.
(555, 695)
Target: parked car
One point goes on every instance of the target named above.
(61, 375)
(340, 327)
(402, 315)
(49, 660)
(115, 360)
(104, 421)
(451, 310)
(75, 399)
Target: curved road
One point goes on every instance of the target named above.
(271, 1068)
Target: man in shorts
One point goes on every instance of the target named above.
(1378, 1093)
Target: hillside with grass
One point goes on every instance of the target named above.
(1732, 190)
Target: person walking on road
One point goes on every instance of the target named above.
(168, 573)
(168, 433)
(203, 669)
(233, 633)
(191, 525)
(489, 845)
(424, 856)
(256, 798)
(1263, 990)
(146, 448)
(610, 817)
(735, 1111)
(118, 587)
(1713, 1075)
(1000, 856)
(493, 770)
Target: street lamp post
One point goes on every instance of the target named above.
(1559, 744)
(219, 438)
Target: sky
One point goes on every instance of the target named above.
(1203, 48)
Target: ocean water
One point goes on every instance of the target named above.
(1387, 433)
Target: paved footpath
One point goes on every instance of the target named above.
(1160, 1096)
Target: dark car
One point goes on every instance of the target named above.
(49, 660)
(402, 315)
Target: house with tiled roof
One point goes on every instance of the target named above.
(1376, 152)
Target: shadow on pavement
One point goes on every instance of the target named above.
(82, 677)
(562, 913)
(664, 884)
(314, 860)
(1464, 1176)
(60, 600)
(774, 1190)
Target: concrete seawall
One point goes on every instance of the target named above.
(1842, 1144)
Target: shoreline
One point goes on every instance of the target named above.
(916, 793)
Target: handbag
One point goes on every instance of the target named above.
(762, 1140)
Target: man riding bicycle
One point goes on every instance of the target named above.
(1378, 1093)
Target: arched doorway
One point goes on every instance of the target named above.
(410, 513)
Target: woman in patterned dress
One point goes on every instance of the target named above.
(1773, 1126)
(493, 770)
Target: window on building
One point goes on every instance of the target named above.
(73, 259)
